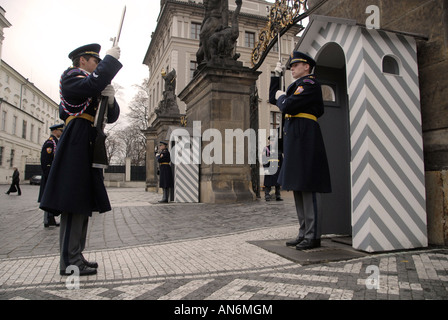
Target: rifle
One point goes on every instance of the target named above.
(99, 150)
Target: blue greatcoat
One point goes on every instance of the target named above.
(272, 162)
(166, 175)
(305, 165)
(46, 159)
(73, 186)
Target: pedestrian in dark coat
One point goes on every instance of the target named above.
(15, 184)
(46, 159)
(166, 175)
(272, 159)
(305, 167)
(74, 189)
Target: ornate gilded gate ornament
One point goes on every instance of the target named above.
(282, 15)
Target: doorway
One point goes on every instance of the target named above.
(335, 126)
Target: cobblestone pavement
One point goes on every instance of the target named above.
(150, 251)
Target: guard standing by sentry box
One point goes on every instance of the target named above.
(305, 168)
(272, 162)
(166, 175)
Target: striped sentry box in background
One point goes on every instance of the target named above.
(186, 179)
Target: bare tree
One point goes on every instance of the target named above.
(133, 144)
(129, 142)
(114, 149)
(139, 106)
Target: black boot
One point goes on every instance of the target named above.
(308, 244)
(165, 196)
(277, 194)
(294, 242)
(90, 264)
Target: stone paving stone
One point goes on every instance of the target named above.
(185, 252)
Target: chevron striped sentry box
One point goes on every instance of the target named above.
(387, 170)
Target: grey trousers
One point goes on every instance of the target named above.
(72, 239)
(309, 213)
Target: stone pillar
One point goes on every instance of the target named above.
(128, 169)
(219, 97)
(151, 171)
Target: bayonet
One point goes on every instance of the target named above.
(99, 151)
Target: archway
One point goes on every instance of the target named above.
(335, 125)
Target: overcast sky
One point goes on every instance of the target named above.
(44, 32)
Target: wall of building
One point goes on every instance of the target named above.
(26, 113)
(430, 19)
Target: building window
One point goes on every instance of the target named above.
(1, 155)
(14, 125)
(390, 65)
(275, 47)
(328, 93)
(193, 67)
(11, 158)
(276, 120)
(4, 114)
(195, 30)
(24, 129)
(249, 39)
(38, 134)
(32, 132)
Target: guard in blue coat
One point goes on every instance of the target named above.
(46, 160)
(74, 189)
(272, 159)
(166, 175)
(305, 166)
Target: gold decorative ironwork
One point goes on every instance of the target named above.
(282, 14)
(183, 121)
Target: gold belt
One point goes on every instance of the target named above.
(302, 115)
(164, 163)
(83, 116)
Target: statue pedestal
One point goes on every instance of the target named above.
(219, 97)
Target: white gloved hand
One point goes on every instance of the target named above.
(279, 69)
(278, 94)
(109, 92)
(114, 52)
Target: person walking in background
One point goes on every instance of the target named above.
(15, 184)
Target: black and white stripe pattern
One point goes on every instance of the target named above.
(186, 182)
(387, 167)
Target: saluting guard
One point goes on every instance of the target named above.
(166, 175)
(305, 166)
(46, 159)
(74, 188)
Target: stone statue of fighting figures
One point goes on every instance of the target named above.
(168, 104)
(217, 38)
